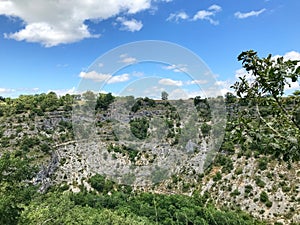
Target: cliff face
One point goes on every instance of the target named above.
(177, 155)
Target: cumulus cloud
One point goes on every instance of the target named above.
(215, 8)
(101, 77)
(6, 90)
(127, 59)
(62, 92)
(179, 68)
(241, 15)
(130, 25)
(196, 82)
(118, 78)
(178, 94)
(292, 55)
(224, 86)
(59, 22)
(170, 82)
(177, 16)
(95, 76)
(208, 14)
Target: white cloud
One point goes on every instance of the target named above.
(59, 22)
(118, 78)
(216, 8)
(177, 16)
(178, 94)
(200, 15)
(127, 59)
(292, 85)
(240, 15)
(179, 68)
(292, 55)
(224, 86)
(196, 82)
(242, 72)
(63, 92)
(170, 82)
(208, 14)
(6, 90)
(130, 25)
(93, 75)
(101, 77)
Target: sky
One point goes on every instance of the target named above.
(54, 45)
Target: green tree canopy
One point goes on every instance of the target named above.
(279, 133)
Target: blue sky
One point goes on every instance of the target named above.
(50, 45)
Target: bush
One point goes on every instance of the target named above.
(235, 193)
(139, 127)
(45, 148)
(259, 182)
(269, 204)
(205, 129)
(239, 171)
(263, 163)
(264, 197)
(97, 182)
(217, 177)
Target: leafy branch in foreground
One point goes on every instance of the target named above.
(277, 130)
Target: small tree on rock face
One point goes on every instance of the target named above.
(164, 95)
(104, 100)
(230, 98)
(280, 133)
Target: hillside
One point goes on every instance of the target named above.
(174, 151)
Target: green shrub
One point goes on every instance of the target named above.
(263, 163)
(264, 197)
(259, 182)
(235, 193)
(217, 177)
(139, 127)
(269, 204)
(239, 171)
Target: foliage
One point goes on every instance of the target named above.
(15, 190)
(278, 131)
(230, 98)
(58, 208)
(205, 129)
(164, 95)
(202, 106)
(124, 150)
(140, 102)
(104, 100)
(99, 183)
(163, 209)
(139, 127)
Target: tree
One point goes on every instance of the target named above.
(50, 102)
(139, 127)
(104, 100)
(15, 190)
(230, 98)
(296, 93)
(279, 133)
(164, 95)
